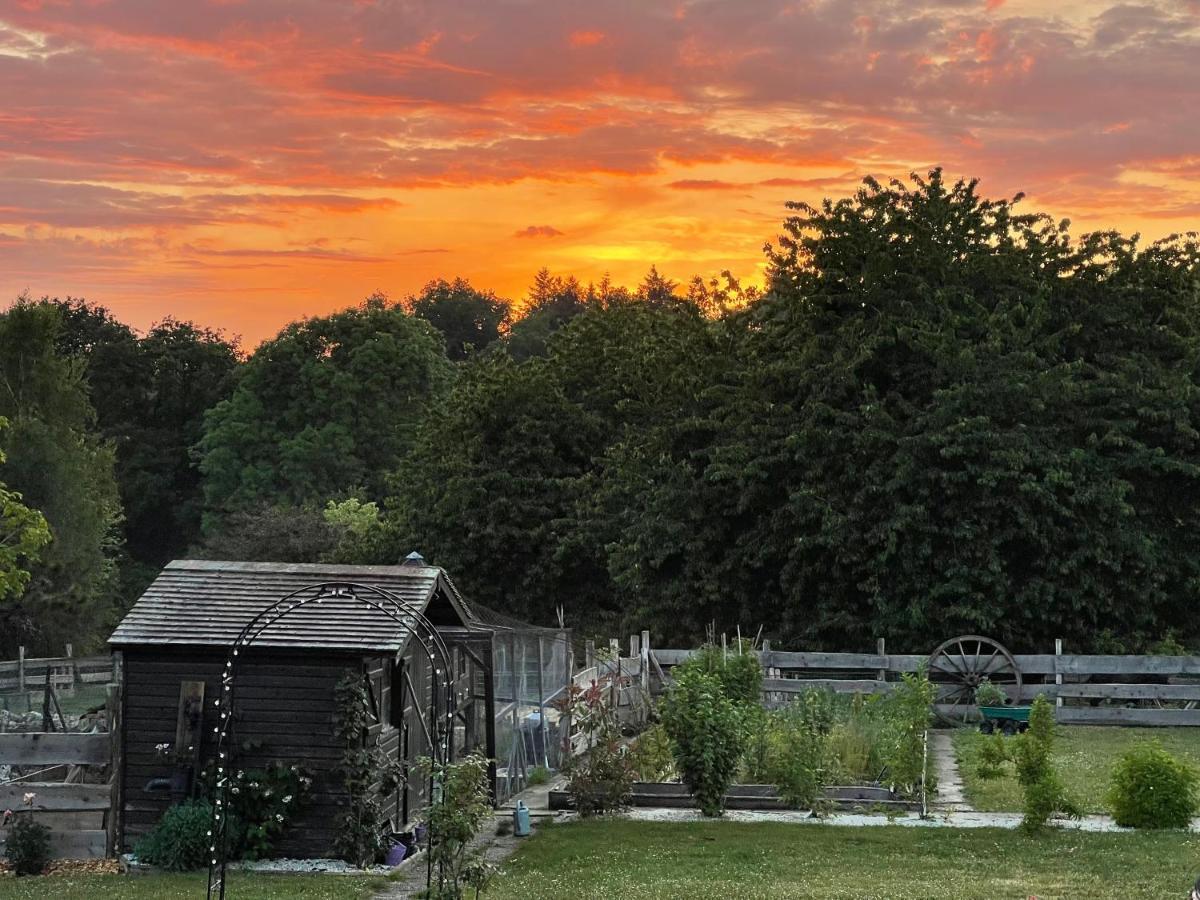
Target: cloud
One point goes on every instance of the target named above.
(537, 231)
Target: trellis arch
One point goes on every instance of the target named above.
(400, 611)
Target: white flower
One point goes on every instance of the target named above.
(29, 798)
(267, 792)
(278, 817)
(287, 799)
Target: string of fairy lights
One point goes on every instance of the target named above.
(411, 619)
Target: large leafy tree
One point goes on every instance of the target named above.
(150, 394)
(325, 409)
(62, 467)
(935, 425)
(470, 320)
(498, 488)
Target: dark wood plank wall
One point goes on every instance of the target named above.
(284, 700)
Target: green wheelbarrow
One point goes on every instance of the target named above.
(1008, 719)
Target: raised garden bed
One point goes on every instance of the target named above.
(674, 795)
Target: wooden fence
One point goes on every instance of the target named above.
(63, 672)
(81, 816)
(1087, 689)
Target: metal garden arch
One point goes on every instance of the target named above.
(399, 611)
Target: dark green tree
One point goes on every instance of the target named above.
(945, 416)
(62, 467)
(470, 320)
(150, 395)
(552, 302)
(323, 410)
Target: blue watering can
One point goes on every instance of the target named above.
(521, 819)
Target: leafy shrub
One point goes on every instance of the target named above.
(736, 668)
(600, 780)
(1152, 789)
(706, 731)
(537, 775)
(756, 739)
(454, 820)
(28, 844)
(988, 694)
(798, 761)
(993, 754)
(180, 841)
(907, 712)
(853, 751)
(1044, 792)
(651, 756)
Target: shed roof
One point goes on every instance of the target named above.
(209, 602)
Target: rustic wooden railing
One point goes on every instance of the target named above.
(81, 816)
(63, 672)
(1087, 689)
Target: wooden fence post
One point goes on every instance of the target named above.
(633, 645)
(589, 654)
(20, 668)
(1058, 645)
(114, 830)
(881, 650)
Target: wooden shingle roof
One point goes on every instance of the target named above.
(208, 602)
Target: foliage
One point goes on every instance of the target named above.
(470, 320)
(993, 754)
(856, 742)
(500, 487)
(324, 409)
(150, 394)
(538, 775)
(944, 416)
(908, 710)
(651, 756)
(262, 802)
(1084, 757)
(989, 694)
(461, 806)
(23, 534)
(367, 774)
(1152, 789)
(27, 845)
(601, 779)
(706, 731)
(63, 468)
(798, 758)
(179, 842)
(737, 669)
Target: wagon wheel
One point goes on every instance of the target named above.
(961, 664)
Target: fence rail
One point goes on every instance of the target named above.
(27, 673)
(81, 816)
(1087, 688)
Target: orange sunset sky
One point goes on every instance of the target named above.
(246, 162)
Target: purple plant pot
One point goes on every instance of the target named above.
(396, 854)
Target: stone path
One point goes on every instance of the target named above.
(950, 796)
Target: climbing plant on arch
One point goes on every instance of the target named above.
(401, 612)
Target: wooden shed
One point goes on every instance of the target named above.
(174, 642)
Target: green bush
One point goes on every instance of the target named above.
(798, 761)
(907, 712)
(651, 756)
(28, 845)
(180, 841)
(1152, 789)
(538, 775)
(737, 668)
(988, 694)
(706, 731)
(1044, 792)
(601, 779)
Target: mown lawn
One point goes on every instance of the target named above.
(765, 861)
(1084, 756)
(188, 887)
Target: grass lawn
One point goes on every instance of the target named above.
(1084, 756)
(634, 860)
(188, 887)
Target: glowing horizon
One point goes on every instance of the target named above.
(242, 163)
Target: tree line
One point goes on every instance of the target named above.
(942, 415)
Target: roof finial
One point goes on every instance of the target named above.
(414, 559)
